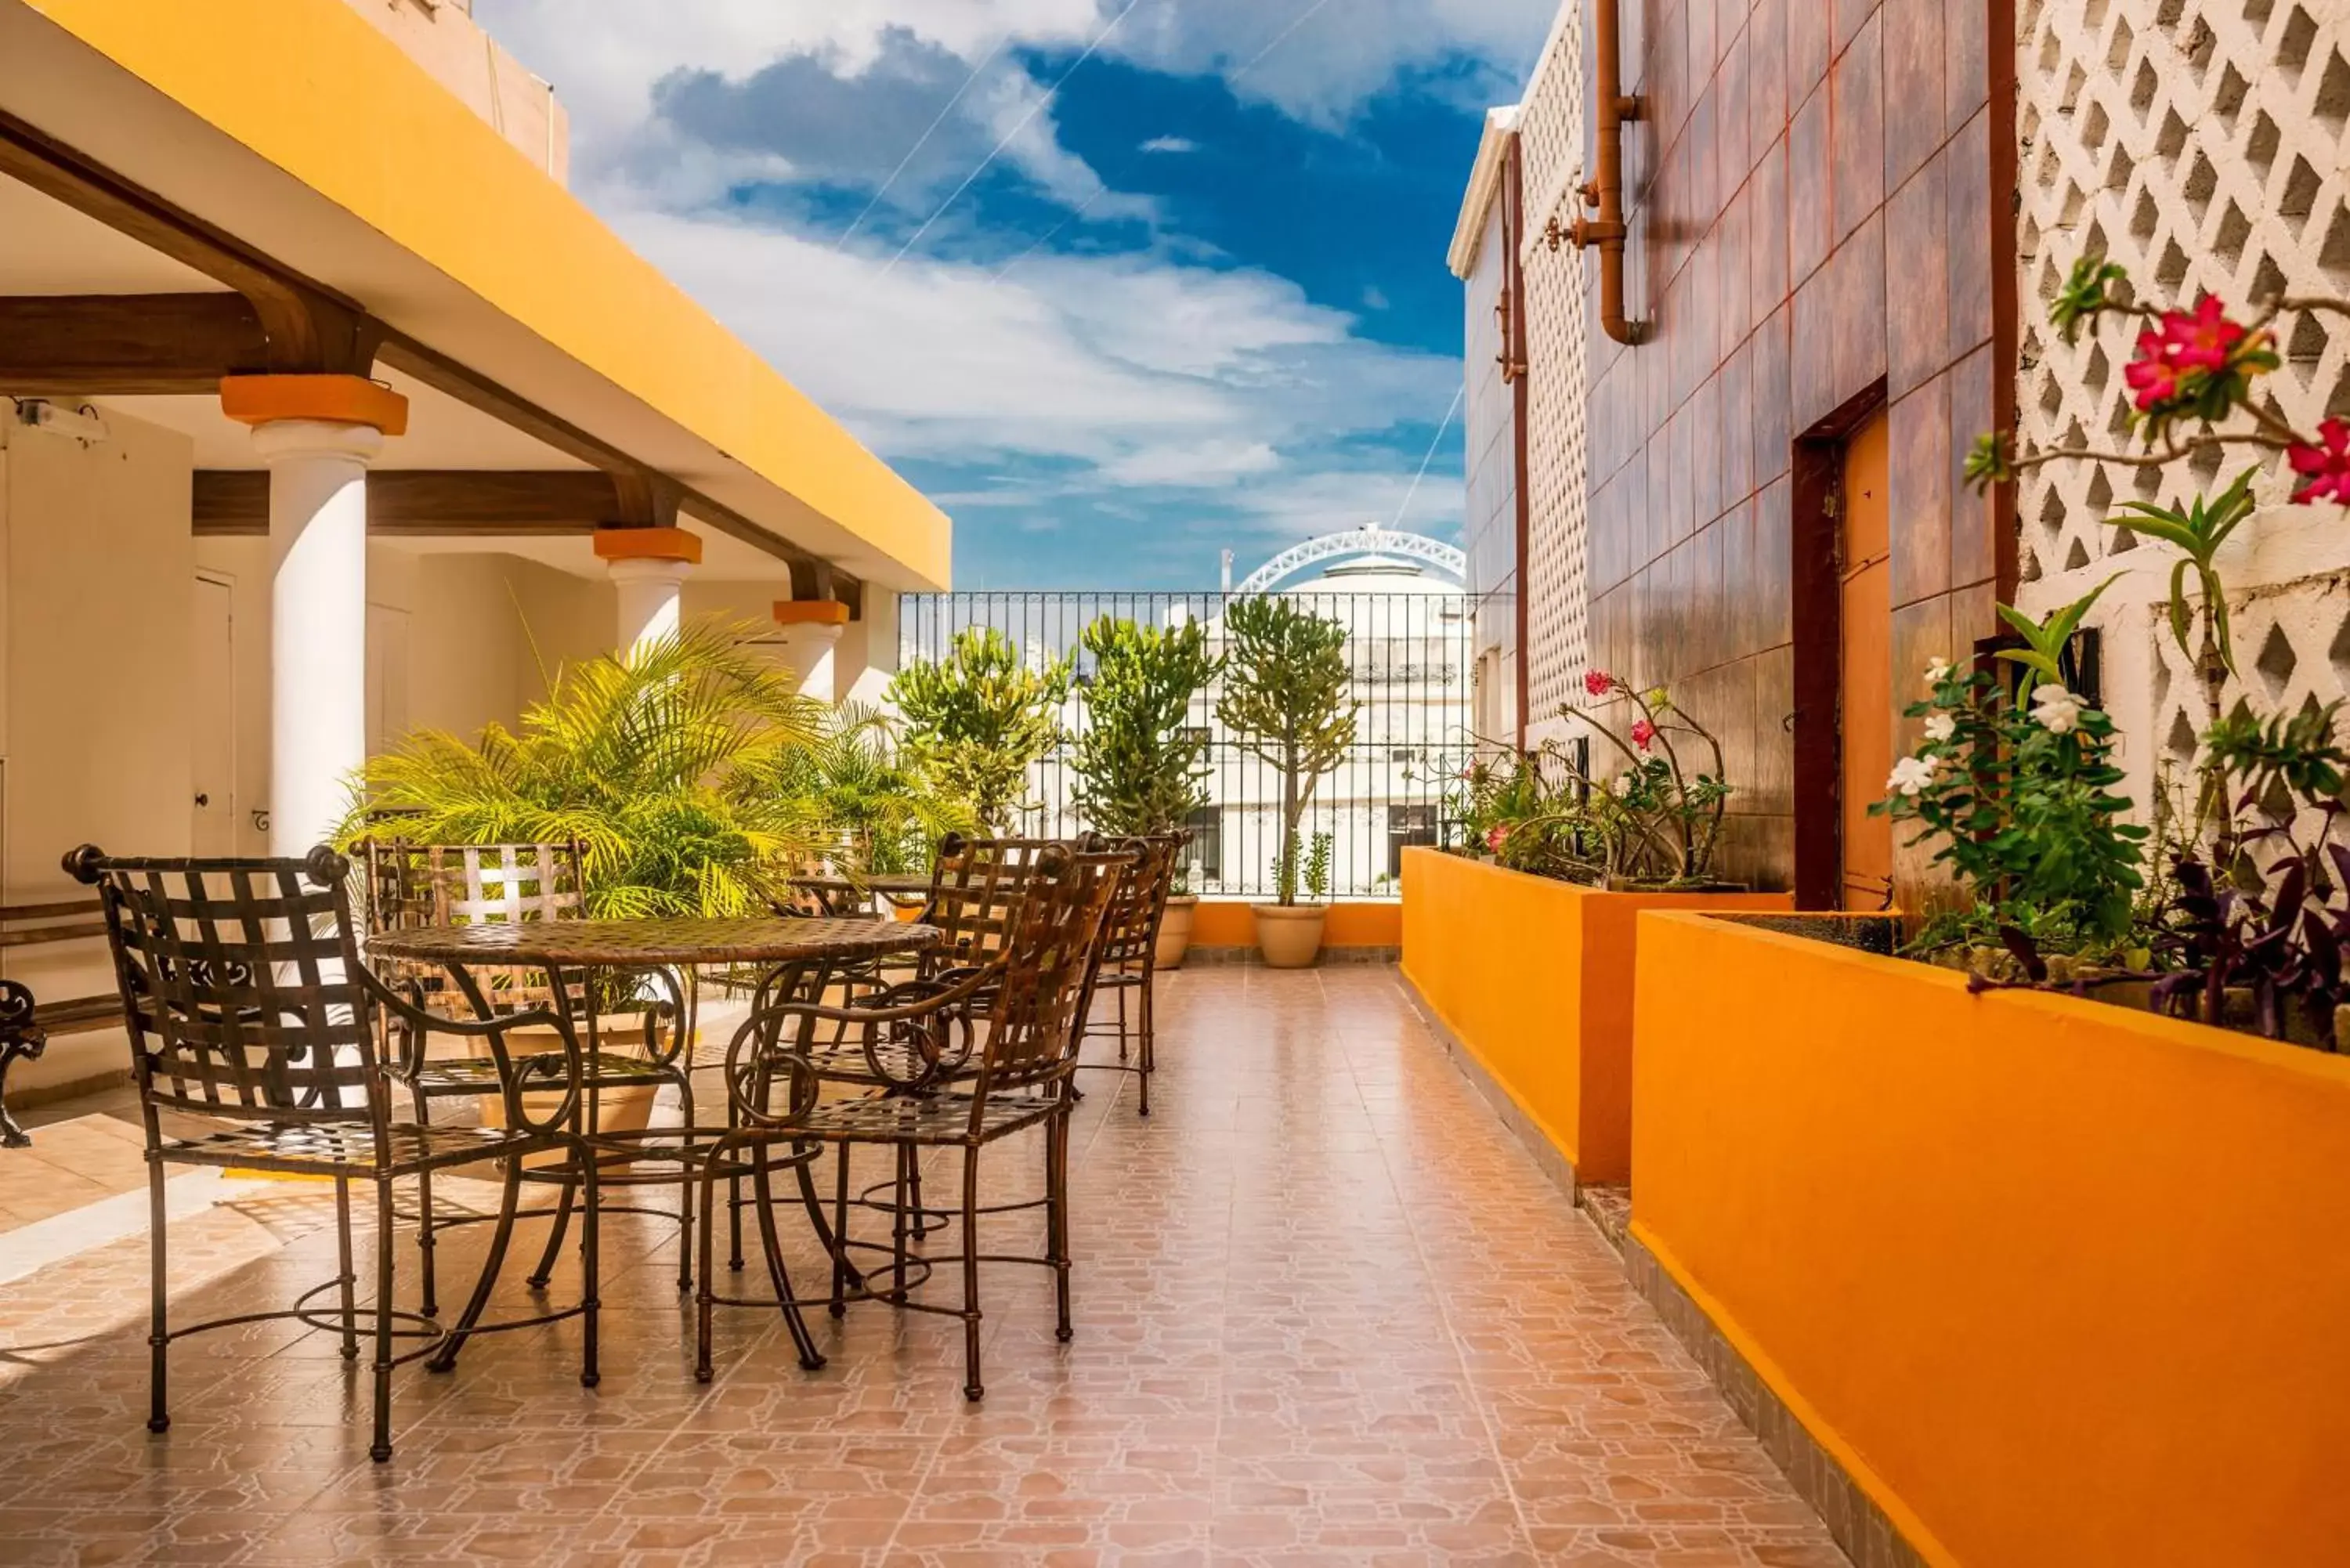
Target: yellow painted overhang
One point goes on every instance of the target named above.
(403, 199)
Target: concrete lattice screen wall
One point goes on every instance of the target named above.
(2201, 143)
(1558, 447)
(1814, 219)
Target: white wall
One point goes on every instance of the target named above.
(98, 585)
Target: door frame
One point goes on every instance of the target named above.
(226, 580)
(1819, 624)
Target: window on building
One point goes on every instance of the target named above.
(1204, 852)
(1407, 825)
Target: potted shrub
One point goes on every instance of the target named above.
(1285, 699)
(1139, 767)
(976, 721)
(661, 765)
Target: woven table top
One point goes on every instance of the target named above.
(622, 944)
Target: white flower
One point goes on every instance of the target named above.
(1938, 671)
(1940, 727)
(2055, 710)
(1911, 774)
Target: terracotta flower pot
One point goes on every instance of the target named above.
(1175, 931)
(1289, 936)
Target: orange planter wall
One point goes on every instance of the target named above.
(1227, 924)
(2060, 1283)
(1533, 977)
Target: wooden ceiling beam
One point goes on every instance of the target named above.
(127, 344)
(431, 503)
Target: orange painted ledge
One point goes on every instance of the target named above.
(1533, 977)
(329, 399)
(648, 545)
(2049, 1277)
(1227, 923)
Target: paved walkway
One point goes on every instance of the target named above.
(1327, 1313)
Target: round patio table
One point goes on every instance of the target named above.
(800, 955)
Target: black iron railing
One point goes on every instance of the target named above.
(1414, 660)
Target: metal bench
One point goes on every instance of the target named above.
(26, 1024)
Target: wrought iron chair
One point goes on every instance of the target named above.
(997, 1042)
(1127, 960)
(251, 1014)
(413, 885)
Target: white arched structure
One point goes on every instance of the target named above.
(1368, 540)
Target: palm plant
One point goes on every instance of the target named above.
(976, 719)
(856, 781)
(659, 763)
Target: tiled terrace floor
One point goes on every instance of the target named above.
(1327, 1313)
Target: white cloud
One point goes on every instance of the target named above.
(1170, 144)
(1140, 367)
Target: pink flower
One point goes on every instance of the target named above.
(1643, 733)
(2324, 469)
(1494, 837)
(2183, 349)
(1599, 683)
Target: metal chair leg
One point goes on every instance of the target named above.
(972, 1389)
(685, 1188)
(509, 1200)
(381, 1450)
(811, 1358)
(429, 1282)
(537, 1277)
(589, 1264)
(1056, 1217)
(159, 1332)
(1147, 1010)
(840, 1233)
(705, 1297)
(347, 1278)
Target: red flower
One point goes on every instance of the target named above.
(1494, 837)
(1643, 732)
(2324, 469)
(1599, 683)
(2182, 350)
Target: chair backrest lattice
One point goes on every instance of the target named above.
(239, 980)
(1129, 935)
(415, 884)
(1047, 966)
(976, 887)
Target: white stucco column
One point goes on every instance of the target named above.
(648, 569)
(316, 434)
(811, 636)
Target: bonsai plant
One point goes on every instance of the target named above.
(1285, 698)
(977, 718)
(1139, 767)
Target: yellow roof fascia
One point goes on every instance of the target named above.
(309, 86)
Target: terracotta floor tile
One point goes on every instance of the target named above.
(1327, 1313)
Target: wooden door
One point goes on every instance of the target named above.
(211, 665)
(1865, 663)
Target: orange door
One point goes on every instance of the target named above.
(1866, 667)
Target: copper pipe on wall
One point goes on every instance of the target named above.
(1516, 357)
(1604, 194)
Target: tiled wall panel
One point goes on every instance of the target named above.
(1813, 214)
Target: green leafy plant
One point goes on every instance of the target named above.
(1525, 810)
(660, 763)
(1139, 764)
(874, 812)
(977, 719)
(1317, 869)
(2015, 787)
(1657, 822)
(1286, 699)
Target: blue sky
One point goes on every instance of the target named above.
(1118, 285)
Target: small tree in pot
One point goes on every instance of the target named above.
(1139, 766)
(1286, 698)
(976, 719)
